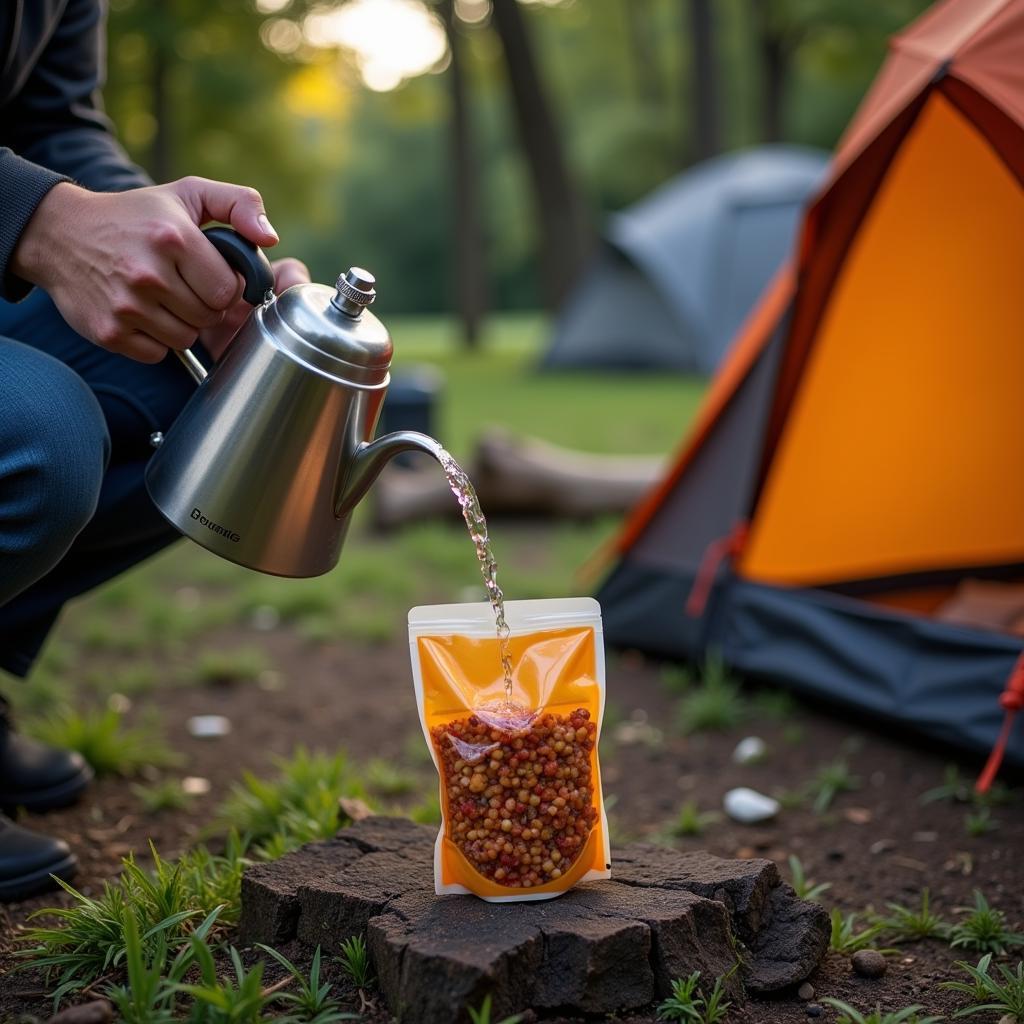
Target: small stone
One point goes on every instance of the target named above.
(208, 727)
(748, 806)
(813, 1010)
(925, 837)
(1009, 1018)
(354, 808)
(750, 750)
(882, 846)
(119, 703)
(99, 1011)
(806, 991)
(868, 963)
(195, 785)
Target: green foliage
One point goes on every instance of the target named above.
(150, 994)
(773, 705)
(482, 1015)
(828, 782)
(984, 928)
(297, 806)
(230, 1000)
(676, 679)
(102, 738)
(691, 820)
(956, 788)
(911, 924)
(845, 938)
(805, 888)
(166, 795)
(988, 993)
(312, 1003)
(90, 936)
(715, 704)
(908, 1015)
(355, 960)
(688, 1003)
(980, 822)
(428, 810)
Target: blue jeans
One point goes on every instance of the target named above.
(75, 423)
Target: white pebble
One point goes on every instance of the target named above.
(195, 785)
(206, 727)
(748, 806)
(749, 750)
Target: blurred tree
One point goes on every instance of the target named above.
(704, 83)
(566, 235)
(470, 265)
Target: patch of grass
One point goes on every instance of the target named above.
(989, 994)
(688, 1003)
(428, 810)
(312, 1003)
(850, 1015)
(131, 679)
(984, 929)
(956, 788)
(165, 903)
(355, 961)
(715, 704)
(219, 668)
(846, 940)
(166, 795)
(676, 679)
(482, 1014)
(297, 806)
(828, 782)
(102, 633)
(224, 999)
(102, 738)
(912, 924)
(691, 820)
(980, 822)
(387, 780)
(773, 705)
(805, 888)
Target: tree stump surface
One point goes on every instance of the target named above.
(602, 947)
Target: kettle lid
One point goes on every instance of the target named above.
(331, 328)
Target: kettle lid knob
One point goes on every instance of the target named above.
(354, 291)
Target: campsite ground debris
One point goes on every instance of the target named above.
(325, 690)
(868, 963)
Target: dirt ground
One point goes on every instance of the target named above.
(874, 845)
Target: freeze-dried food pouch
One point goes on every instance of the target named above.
(522, 815)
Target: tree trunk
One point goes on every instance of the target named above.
(704, 80)
(565, 231)
(470, 264)
(774, 57)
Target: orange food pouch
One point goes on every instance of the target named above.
(522, 815)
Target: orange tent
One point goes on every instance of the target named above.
(861, 451)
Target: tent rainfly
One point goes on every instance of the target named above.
(847, 515)
(680, 270)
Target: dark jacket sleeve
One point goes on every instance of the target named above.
(56, 122)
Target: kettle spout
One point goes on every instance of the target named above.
(371, 457)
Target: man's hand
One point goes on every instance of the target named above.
(131, 271)
(216, 339)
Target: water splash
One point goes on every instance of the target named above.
(476, 523)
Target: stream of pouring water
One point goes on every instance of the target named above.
(503, 714)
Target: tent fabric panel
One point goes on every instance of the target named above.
(717, 490)
(758, 331)
(934, 679)
(950, 26)
(991, 60)
(616, 319)
(642, 608)
(902, 448)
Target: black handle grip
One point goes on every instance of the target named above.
(248, 259)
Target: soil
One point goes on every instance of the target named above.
(877, 844)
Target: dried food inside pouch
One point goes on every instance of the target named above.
(521, 804)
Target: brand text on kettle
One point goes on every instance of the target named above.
(216, 527)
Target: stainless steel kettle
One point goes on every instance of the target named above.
(267, 460)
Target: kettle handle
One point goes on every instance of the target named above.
(251, 262)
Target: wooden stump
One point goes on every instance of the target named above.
(603, 947)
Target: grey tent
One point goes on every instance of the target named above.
(679, 271)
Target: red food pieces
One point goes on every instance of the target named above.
(519, 805)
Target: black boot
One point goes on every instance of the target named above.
(35, 776)
(27, 860)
